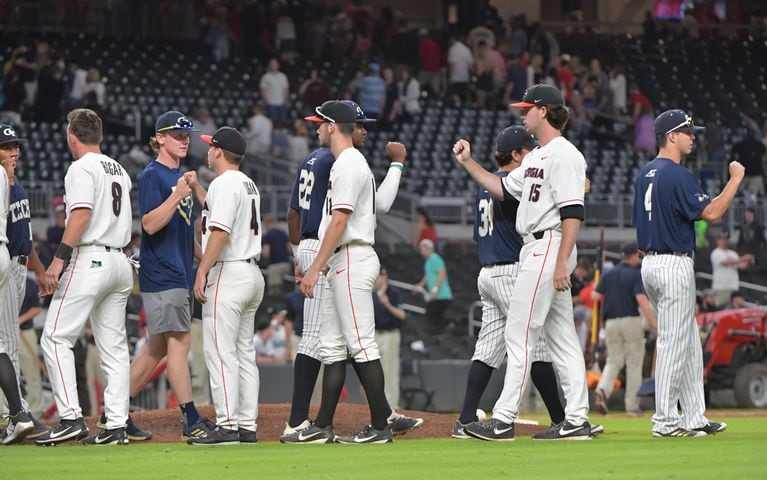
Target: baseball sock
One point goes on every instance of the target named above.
(545, 381)
(479, 377)
(189, 413)
(332, 384)
(372, 379)
(356, 367)
(9, 384)
(305, 372)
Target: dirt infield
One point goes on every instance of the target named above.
(164, 424)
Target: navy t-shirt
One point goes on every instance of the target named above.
(620, 286)
(18, 229)
(667, 202)
(310, 189)
(31, 300)
(295, 311)
(494, 228)
(166, 256)
(385, 320)
(278, 241)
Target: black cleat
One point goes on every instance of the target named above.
(492, 430)
(65, 430)
(114, 436)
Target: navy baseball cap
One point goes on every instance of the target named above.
(361, 117)
(172, 121)
(333, 111)
(675, 121)
(8, 135)
(514, 138)
(227, 138)
(539, 95)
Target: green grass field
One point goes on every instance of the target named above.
(625, 451)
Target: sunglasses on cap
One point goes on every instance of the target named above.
(686, 123)
(182, 123)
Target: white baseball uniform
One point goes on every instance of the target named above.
(5, 259)
(234, 290)
(95, 284)
(354, 265)
(550, 178)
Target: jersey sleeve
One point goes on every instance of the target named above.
(513, 182)
(222, 205)
(149, 192)
(347, 183)
(690, 197)
(80, 187)
(387, 191)
(568, 179)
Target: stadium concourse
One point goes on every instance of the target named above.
(614, 83)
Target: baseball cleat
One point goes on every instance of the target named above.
(247, 436)
(310, 435)
(367, 435)
(566, 431)
(600, 401)
(114, 436)
(493, 430)
(400, 424)
(458, 431)
(290, 430)
(679, 432)
(65, 430)
(198, 428)
(39, 429)
(712, 428)
(19, 426)
(597, 429)
(136, 433)
(217, 436)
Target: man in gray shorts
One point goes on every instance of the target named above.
(166, 273)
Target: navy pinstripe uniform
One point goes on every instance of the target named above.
(667, 201)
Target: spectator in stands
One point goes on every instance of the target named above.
(425, 229)
(388, 321)
(313, 91)
(480, 34)
(94, 91)
(751, 124)
(713, 142)
(642, 118)
(430, 62)
(535, 72)
(219, 35)
(459, 63)
(725, 263)
(56, 231)
(271, 340)
(75, 83)
(517, 36)
(617, 84)
(750, 152)
(298, 143)
(435, 281)
(737, 300)
(708, 303)
(285, 37)
(205, 125)
(275, 254)
(50, 92)
(279, 140)
(751, 239)
(484, 83)
(391, 100)
(371, 91)
(565, 76)
(516, 81)
(275, 89)
(410, 95)
(258, 131)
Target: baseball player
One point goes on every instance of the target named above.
(499, 246)
(550, 186)
(166, 273)
(95, 283)
(667, 201)
(304, 217)
(22, 252)
(230, 286)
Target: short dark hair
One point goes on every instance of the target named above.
(346, 128)
(661, 139)
(232, 157)
(557, 115)
(85, 125)
(502, 158)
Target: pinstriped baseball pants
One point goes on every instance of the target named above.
(669, 281)
(11, 298)
(310, 338)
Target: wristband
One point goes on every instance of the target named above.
(399, 165)
(64, 252)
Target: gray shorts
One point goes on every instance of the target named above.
(168, 311)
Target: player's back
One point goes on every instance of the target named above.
(310, 188)
(495, 228)
(97, 182)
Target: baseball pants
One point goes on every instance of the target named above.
(496, 285)
(228, 320)
(12, 296)
(96, 284)
(350, 330)
(310, 338)
(669, 282)
(536, 308)
(625, 346)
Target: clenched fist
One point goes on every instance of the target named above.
(396, 151)
(462, 151)
(737, 170)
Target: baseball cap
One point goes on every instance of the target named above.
(539, 95)
(333, 111)
(172, 121)
(8, 134)
(513, 138)
(628, 249)
(227, 138)
(675, 121)
(426, 243)
(361, 117)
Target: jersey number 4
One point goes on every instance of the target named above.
(648, 202)
(305, 184)
(485, 227)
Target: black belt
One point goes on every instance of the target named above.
(246, 260)
(678, 254)
(21, 259)
(498, 264)
(353, 243)
(538, 235)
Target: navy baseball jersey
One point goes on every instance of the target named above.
(667, 201)
(310, 189)
(166, 256)
(19, 229)
(495, 228)
(620, 286)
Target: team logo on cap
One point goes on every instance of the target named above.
(9, 132)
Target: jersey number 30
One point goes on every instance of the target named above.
(648, 202)
(485, 227)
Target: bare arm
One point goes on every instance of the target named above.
(213, 249)
(646, 309)
(596, 296)
(155, 220)
(197, 250)
(570, 228)
(490, 182)
(294, 226)
(719, 205)
(395, 311)
(29, 315)
(438, 282)
(338, 221)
